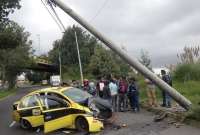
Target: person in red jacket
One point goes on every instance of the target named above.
(123, 87)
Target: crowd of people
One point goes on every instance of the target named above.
(123, 93)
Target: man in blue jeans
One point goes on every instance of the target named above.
(133, 94)
(166, 97)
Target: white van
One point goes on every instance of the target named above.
(55, 80)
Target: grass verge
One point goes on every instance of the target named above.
(189, 89)
(6, 92)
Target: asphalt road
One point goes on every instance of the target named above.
(6, 113)
(136, 123)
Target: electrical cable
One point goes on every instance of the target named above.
(51, 15)
(55, 13)
(99, 11)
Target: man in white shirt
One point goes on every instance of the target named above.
(114, 91)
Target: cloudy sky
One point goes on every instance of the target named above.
(161, 27)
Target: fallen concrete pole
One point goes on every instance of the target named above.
(184, 102)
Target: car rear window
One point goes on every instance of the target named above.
(76, 94)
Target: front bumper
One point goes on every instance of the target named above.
(94, 124)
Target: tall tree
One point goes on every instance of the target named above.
(102, 62)
(124, 68)
(145, 59)
(95, 58)
(11, 36)
(190, 55)
(68, 49)
(7, 7)
(16, 57)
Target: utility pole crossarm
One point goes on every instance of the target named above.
(130, 60)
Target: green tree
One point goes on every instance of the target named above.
(190, 55)
(7, 7)
(102, 62)
(96, 59)
(15, 59)
(145, 59)
(124, 68)
(68, 50)
(54, 53)
(12, 36)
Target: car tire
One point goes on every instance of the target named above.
(25, 124)
(82, 124)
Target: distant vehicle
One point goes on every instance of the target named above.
(44, 82)
(55, 80)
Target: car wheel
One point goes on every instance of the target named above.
(82, 124)
(25, 124)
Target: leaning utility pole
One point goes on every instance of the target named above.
(130, 60)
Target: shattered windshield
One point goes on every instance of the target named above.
(76, 94)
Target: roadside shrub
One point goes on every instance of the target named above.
(194, 114)
(186, 72)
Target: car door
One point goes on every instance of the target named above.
(29, 109)
(56, 112)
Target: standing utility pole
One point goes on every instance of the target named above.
(60, 66)
(184, 102)
(79, 59)
(38, 35)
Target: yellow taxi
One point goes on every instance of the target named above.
(55, 108)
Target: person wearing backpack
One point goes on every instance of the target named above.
(123, 86)
(133, 94)
(166, 97)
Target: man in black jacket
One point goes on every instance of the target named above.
(106, 91)
(166, 97)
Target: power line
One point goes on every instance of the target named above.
(55, 13)
(51, 15)
(99, 11)
(61, 27)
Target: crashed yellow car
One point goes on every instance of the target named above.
(61, 107)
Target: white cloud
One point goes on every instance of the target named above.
(161, 27)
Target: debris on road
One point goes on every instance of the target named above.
(123, 125)
(12, 124)
(66, 132)
(178, 125)
(38, 130)
(160, 117)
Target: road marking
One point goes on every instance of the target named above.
(12, 124)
